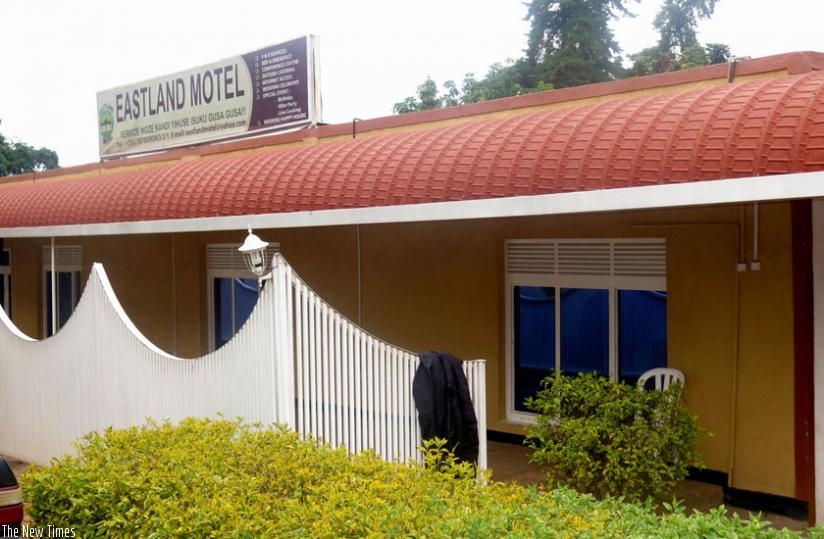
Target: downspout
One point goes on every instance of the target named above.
(53, 288)
(741, 268)
(755, 263)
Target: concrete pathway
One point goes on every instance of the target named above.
(510, 462)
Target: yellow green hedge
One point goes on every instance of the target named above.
(206, 478)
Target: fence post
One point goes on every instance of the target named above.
(283, 346)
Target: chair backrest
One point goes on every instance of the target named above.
(662, 378)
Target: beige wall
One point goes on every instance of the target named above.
(441, 286)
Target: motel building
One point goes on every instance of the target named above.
(672, 220)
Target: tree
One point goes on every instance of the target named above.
(570, 42)
(502, 80)
(717, 53)
(427, 99)
(677, 20)
(19, 158)
(678, 46)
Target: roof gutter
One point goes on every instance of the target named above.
(700, 193)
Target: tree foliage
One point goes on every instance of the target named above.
(502, 80)
(654, 60)
(570, 41)
(19, 158)
(677, 20)
(678, 46)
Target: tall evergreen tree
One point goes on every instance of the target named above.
(570, 42)
(677, 20)
(678, 46)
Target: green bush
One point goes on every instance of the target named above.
(225, 479)
(610, 439)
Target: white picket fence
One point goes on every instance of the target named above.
(355, 390)
(296, 361)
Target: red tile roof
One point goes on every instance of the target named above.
(760, 127)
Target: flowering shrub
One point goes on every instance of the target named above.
(610, 439)
(207, 478)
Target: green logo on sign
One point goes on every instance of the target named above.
(105, 120)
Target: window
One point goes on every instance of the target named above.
(583, 306)
(68, 266)
(232, 292)
(5, 281)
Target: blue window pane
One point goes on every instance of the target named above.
(246, 296)
(67, 296)
(584, 330)
(642, 332)
(534, 332)
(222, 293)
(77, 280)
(47, 287)
(65, 299)
(234, 300)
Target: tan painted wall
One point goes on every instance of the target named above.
(442, 286)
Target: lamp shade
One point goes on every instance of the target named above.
(254, 253)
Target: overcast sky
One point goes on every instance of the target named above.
(57, 55)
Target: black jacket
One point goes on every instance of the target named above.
(444, 405)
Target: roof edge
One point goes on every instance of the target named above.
(781, 187)
(792, 63)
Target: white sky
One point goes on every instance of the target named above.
(56, 55)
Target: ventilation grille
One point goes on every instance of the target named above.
(66, 256)
(580, 258)
(531, 257)
(227, 257)
(642, 259)
(625, 258)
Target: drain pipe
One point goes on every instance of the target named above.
(53, 288)
(755, 263)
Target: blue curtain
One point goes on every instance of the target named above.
(534, 310)
(642, 332)
(232, 296)
(584, 330)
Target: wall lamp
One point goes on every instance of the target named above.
(254, 254)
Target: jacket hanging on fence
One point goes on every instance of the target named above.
(444, 404)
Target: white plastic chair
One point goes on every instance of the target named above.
(662, 376)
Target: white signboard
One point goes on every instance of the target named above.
(268, 89)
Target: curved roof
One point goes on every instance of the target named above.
(761, 127)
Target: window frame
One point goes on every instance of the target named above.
(223, 261)
(69, 260)
(553, 275)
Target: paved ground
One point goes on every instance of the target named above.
(510, 462)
